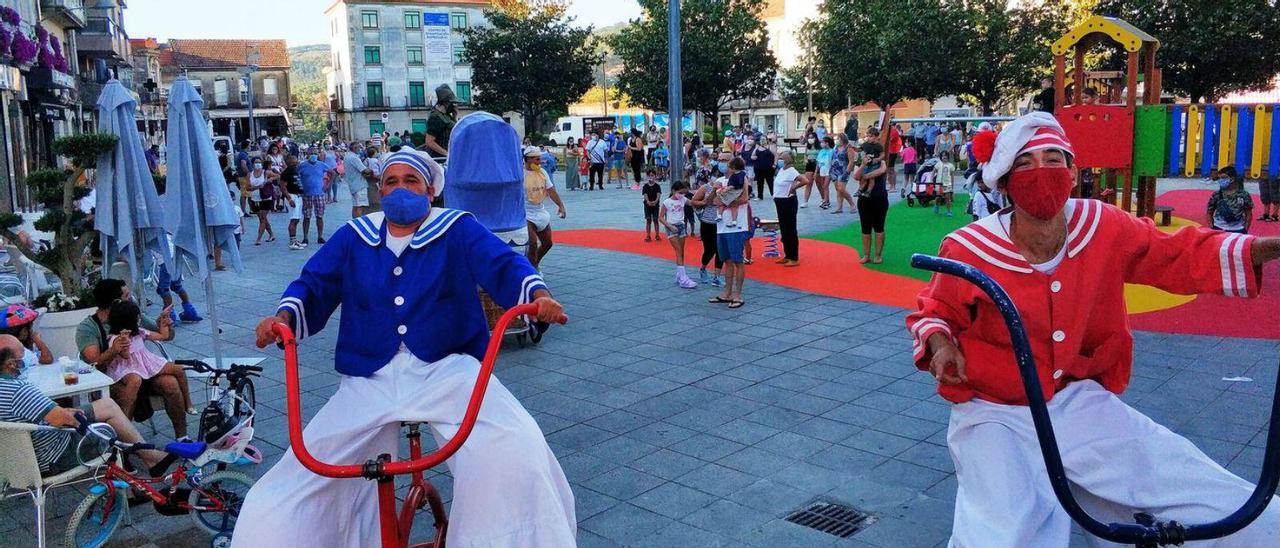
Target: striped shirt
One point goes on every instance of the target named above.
(21, 401)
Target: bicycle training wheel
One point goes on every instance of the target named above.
(229, 488)
(91, 525)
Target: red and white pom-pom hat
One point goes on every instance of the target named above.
(1034, 131)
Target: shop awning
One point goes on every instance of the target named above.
(270, 112)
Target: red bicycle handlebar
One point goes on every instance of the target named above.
(431, 460)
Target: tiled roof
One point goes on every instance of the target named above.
(227, 53)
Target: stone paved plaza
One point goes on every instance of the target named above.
(681, 423)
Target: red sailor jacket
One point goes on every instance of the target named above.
(1075, 317)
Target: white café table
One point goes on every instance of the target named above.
(48, 378)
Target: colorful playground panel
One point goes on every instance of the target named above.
(1192, 140)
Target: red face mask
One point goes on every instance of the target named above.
(1041, 192)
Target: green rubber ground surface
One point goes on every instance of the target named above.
(907, 230)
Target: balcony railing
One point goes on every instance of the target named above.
(68, 13)
(403, 101)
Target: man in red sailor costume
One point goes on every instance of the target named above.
(1064, 262)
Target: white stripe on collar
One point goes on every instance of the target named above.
(370, 229)
(992, 243)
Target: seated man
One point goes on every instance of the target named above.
(132, 392)
(1065, 262)
(21, 401)
(411, 336)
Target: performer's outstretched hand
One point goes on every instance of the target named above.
(947, 364)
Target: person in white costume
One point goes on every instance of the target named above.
(411, 334)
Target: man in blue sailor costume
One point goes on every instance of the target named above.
(411, 334)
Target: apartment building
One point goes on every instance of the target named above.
(388, 57)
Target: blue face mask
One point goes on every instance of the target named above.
(312, 158)
(1223, 184)
(404, 207)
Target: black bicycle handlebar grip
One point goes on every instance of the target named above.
(82, 426)
(196, 365)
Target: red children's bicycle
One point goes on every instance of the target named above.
(396, 524)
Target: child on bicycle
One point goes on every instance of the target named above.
(125, 321)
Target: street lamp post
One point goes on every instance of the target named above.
(675, 93)
(251, 58)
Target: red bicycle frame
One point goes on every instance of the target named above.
(179, 477)
(395, 525)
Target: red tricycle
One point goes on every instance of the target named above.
(396, 524)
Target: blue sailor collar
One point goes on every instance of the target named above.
(371, 228)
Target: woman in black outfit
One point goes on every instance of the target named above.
(636, 147)
(873, 203)
(763, 163)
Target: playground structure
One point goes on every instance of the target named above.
(1138, 139)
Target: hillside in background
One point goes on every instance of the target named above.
(306, 77)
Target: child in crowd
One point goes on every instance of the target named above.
(944, 178)
(671, 215)
(733, 191)
(909, 165)
(984, 201)
(652, 192)
(125, 320)
(548, 162)
(661, 159)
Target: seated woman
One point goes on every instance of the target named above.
(20, 321)
(125, 319)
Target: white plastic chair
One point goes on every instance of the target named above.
(20, 473)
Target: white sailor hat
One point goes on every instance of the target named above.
(1034, 131)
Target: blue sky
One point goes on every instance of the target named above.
(299, 22)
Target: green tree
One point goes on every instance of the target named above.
(1006, 49)
(724, 55)
(533, 65)
(794, 87)
(884, 51)
(1207, 49)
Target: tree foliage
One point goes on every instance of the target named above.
(1207, 49)
(57, 190)
(794, 88)
(1005, 50)
(724, 54)
(884, 51)
(533, 65)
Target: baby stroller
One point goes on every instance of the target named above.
(924, 191)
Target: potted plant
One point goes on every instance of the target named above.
(57, 191)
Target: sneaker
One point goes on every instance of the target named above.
(687, 283)
(320, 240)
(716, 281)
(304, 242)
(703, 276)
(296, 246)
(189, 314)
(804, 205)
(173, 316)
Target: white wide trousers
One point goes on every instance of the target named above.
(509, 490)
(1118, 462)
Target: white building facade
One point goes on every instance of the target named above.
(388, 57)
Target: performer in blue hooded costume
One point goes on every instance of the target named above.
(409, 344)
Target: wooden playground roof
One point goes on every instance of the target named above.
(1129, 37)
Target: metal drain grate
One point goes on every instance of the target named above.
(831, 518)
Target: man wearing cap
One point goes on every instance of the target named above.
(537, 188)
(440, 124)
(1065, 263)
(411, 335)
